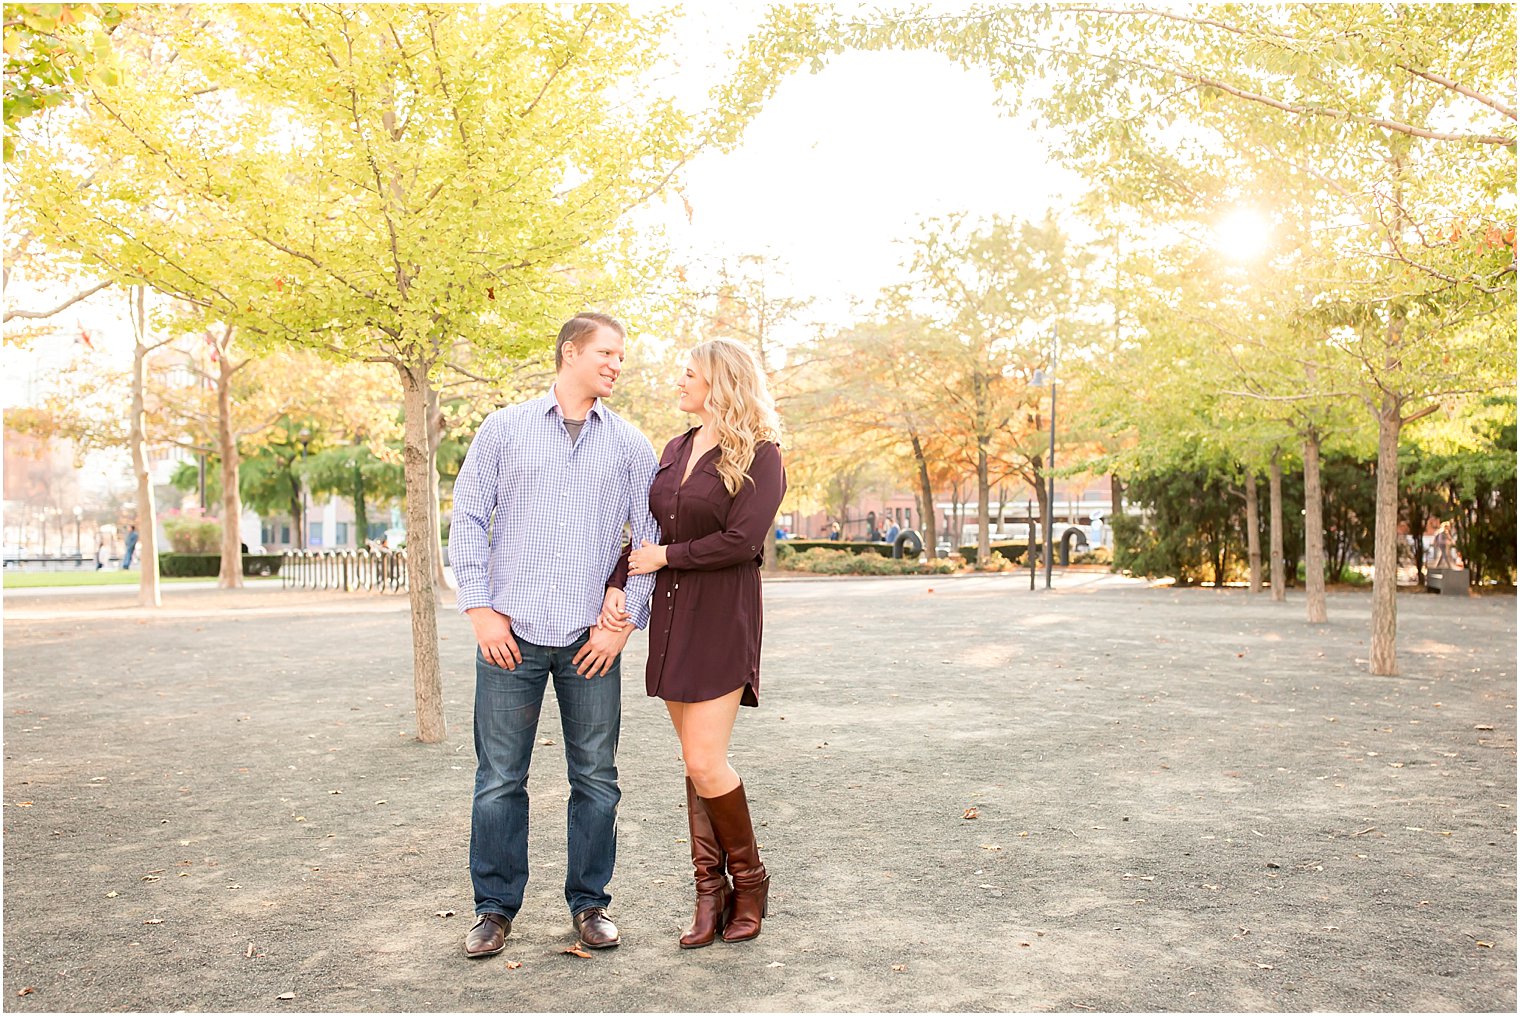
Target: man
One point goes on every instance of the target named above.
(126, 558)
(539, 510)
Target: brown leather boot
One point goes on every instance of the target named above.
(730, 820)
(714, 897)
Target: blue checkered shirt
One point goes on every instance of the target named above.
(539, 522)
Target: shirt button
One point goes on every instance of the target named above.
(672, 518)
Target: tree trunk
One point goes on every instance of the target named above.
(983, 504)
(1042, 498)
(361, 511)
(230, 576)
(297, 510)
(1253, 535)
(1314, 531)
(1385, 547)
(148, 594)
(926, 495)
(435, 490)
(1275, 526)
(421, 546)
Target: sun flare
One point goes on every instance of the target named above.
(1243, 235)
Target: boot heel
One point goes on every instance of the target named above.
(765, 897)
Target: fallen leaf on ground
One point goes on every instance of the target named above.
(1265, 966)
(1485, 945)
(513, 964)
(545, 740)
(1481, 726)
(28, 804)
(112, 894)
(445, 913)
(154, 920)
(286, 997)
(249, 953)
(899, 967)
(970, 813)
(775, 963)
(25, 991)
(576, 950)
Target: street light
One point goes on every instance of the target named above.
(78, 545)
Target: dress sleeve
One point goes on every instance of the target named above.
(749, 519)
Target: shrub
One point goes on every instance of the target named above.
(1097, 555)
(849, 546)
(1006, 549)
(192, 532)
(208, 566)
(827, 561)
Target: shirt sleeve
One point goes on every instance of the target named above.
(749, 519)
(642, 465)
(474, 505)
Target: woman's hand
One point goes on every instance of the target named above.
(648, 558)
(614, 616)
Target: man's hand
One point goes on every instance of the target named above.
(614, 616)
(493, 632)
(595, 658)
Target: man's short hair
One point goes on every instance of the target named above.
(579, 330)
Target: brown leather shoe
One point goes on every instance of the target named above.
(489, 935)
(594, 929)
(752, 885)
(714, 895)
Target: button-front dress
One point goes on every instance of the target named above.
(705, 621)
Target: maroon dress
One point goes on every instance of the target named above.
(704, 625)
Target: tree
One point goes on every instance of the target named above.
(51, 51)
(998, 292)
(1400, 117)
(381, 182)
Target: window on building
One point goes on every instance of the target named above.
(342, 535)
(376, 530)
(284, 532)
(316, 534)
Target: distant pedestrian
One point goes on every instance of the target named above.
(126, 559)
(100, 554)
(834, 531)
(892, 532)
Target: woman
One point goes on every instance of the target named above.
(715, 497)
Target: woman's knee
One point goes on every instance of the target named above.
(705, 767)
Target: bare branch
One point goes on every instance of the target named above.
(65, 305)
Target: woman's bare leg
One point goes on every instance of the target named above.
(705, 729)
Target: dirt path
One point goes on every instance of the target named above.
(1184, 801)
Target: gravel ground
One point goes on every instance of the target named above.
(973, 797)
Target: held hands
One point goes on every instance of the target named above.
(614, 616)
(493, 632)
(646, 559)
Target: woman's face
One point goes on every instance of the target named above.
(693, 389)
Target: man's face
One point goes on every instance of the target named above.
(595, 364)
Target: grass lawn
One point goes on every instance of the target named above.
(105, 577)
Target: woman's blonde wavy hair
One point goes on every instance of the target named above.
(743, 412)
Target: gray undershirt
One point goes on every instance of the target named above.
(573, 427)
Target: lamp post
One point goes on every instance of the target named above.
(1040, 379)
(78, 545)
(305, 438)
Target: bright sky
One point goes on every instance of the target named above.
(839, 169)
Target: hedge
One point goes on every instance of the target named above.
(850, 546)
(829, 561)
(208, 566)
(1002, 548)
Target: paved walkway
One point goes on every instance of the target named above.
(1183, 800)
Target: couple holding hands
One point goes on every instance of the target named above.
(537, 542)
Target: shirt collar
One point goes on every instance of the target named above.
(551, 405)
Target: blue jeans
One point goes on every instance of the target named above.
(507, 705)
